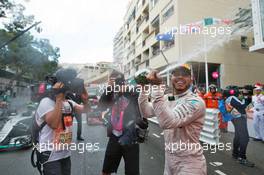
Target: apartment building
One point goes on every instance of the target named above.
(145, 19)
(89, 71)
(118, 49)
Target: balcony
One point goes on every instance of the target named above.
(145, 55)
(150, 39)
(167, 45)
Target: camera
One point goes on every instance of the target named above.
(231, 90)
(135, 132)
(142, 130)
(68, 78)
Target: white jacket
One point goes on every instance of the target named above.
(182, 121)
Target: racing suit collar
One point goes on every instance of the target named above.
(182, 94)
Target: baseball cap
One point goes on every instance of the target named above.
(119, 77)
(258, 88)
(182, 70)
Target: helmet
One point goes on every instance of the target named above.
(212, 86)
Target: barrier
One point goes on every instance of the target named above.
(211, 133)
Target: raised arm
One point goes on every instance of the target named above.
(106, 99)
(145, 107)
(53, 118)
(181, 115)
(239, 105)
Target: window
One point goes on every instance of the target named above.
(133, 63)
(168, 44)
(146, 54)
(168, 13)
(153, 3)
(155, 49)
(138, 4)
(261, 4)
(244, 42)
(155, 21)
(131, 17)
(143, 2)
(143, 43)
(147, 63)
(156, 25)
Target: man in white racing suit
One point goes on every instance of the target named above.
(181, 117)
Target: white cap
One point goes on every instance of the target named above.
(258, 88)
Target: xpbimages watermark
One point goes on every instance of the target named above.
(185, 146)
(127, 88)
(212, 31)
(80, 147)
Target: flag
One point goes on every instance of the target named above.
(169, 36)
(208, 21)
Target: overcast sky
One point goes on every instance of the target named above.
(82, 29)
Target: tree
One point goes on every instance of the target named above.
(30, 57)
(27, 56)
(5, 5)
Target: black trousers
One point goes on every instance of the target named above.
(79, 124)
(241, 138)
(114, 153)
(58, 167)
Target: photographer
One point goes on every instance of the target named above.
(122, 132)
(236, 105)
(52, 130)
(76, 92)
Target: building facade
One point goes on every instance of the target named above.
(145, 19)
(118, 50)
(89, 71)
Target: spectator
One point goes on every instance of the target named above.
(237, 108)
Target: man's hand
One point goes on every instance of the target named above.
(60, 96)
(154, 78)
(111, 81)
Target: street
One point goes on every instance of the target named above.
(198, 63)
(151, 156)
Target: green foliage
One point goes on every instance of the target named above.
(5, 5)
(27, 56)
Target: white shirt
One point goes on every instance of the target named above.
(258, 102)
(47, 134)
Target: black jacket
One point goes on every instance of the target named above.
(131, 115)
(238, 105)
(131, 112)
